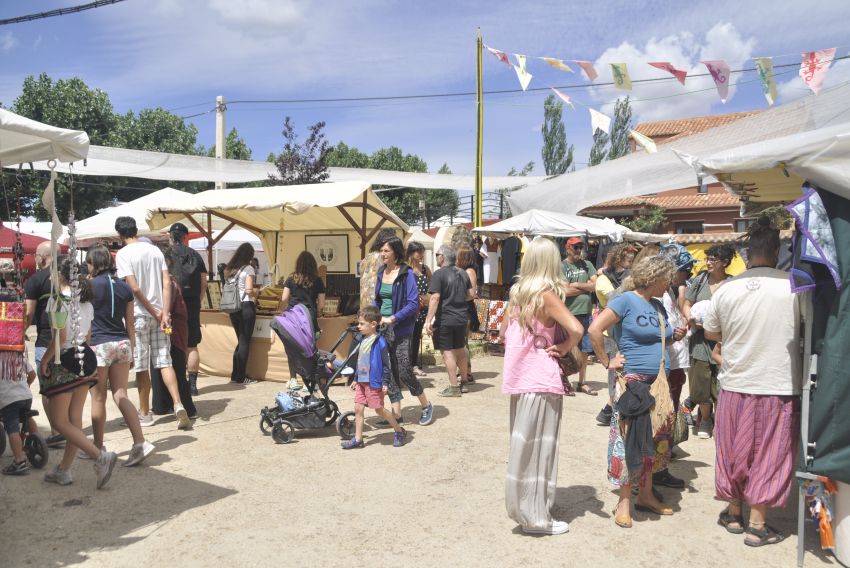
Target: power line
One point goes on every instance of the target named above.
(58, 12)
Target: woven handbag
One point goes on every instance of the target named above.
(12, 326)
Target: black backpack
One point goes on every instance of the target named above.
(187, 268)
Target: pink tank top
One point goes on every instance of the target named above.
(527, 366)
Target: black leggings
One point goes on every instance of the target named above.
(415, 342)
(243, 323)
(402, 369)
(161, 402)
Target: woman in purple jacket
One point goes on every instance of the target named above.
(397, 297)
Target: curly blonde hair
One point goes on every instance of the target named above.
(540, 273)
(647, 272)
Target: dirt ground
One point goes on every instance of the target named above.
(223, 493)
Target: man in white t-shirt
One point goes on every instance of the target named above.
(756, 317)
(142, 266)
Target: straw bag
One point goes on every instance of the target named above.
(568, 364)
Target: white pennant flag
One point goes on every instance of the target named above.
(563, 97)
(599, 121)
(645, 141)
(521, 73)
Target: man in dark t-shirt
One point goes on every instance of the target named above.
(36, 291)
(447, 319)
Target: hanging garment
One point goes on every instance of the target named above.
(817, 244)
(511, 254)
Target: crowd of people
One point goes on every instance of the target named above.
(656, 323)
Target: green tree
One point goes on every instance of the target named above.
(599, 150)
(647, 221)
(620, 127)
(302, 163)
(344, 156)
(557, 154)
(235, 148)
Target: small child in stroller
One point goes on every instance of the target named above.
(372, 379)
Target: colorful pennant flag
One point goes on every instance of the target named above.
(645, 141)
(719, 70)
(680, 74)
(563, 97)
(814, 67)
(764, 65)
(557, 64)
(588, 69)
(521, 72)
(621, 76)
(500, 55)
(599, 121)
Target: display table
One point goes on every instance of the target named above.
(267, 358)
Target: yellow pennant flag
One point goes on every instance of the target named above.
(621, 76)
(645, 141)
(764, 65)
(557, 64)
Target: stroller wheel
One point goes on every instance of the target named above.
(345, 425)
(36, 450)
(333, 413)
(266, 423)
(283, 432)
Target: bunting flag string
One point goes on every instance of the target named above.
(599, 121)
(646, 142)
(563, 97)
(521, 72)
(814, 67)
(621, 76)
(764, 65)
(500, 55)
(557, 64)
(719, 70)
(588, 69)
(679, 74)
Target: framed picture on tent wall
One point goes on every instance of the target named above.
(330, 251)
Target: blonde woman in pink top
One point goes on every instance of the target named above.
(532, 378)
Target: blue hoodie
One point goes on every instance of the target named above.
(405, 299)
(380, 372)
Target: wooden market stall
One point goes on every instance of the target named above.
(334, 221)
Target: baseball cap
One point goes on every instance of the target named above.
(572, 241)
(178, 228)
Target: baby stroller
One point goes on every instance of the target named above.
(291, 410)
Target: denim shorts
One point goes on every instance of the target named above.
(585, 345)
(12, 413)
(39, 355)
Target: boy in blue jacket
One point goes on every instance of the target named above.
(372, 380)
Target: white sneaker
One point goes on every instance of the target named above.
(84, 456)
(59, 476)
(146, 420)
(103, 467)
(138, 453)
(705, 427)
(183, 422)
(557, 527)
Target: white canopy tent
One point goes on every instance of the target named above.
(283, 216)
(640, 173)
(552, 224)
(23, 140)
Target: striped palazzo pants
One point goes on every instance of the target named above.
(533, 459)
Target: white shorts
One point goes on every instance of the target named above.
(151, 342)
(113, 353)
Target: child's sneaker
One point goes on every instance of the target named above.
(103, 466)
(58, 476)
(16, 468)
(351, 444)
(427, 415)
(398, 438)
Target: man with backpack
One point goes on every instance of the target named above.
(191, 275)
(580, 275)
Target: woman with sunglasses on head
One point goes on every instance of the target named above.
(702, 377)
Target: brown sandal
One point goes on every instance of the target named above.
(585, 388)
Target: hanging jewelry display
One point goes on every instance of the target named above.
(74, 311)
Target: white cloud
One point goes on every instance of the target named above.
(8, 41)
(669, 99)
(266, 13)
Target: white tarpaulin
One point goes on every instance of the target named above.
(774, 170)
(106, 161)
(640, 173)
(24, 140)
(553, 224)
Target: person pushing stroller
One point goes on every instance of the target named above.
(372, 379)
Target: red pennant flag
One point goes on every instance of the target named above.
(680, 74)
(814, 67)
(588, 69)
(500, 55)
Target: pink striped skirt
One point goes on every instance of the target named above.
(756, 438)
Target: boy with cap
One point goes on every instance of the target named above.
(580, 275)
(190, 272)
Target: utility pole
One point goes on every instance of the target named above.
(220, 135)
(478, 218)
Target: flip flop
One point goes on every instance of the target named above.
(585, 388)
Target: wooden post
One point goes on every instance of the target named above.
(479, 139)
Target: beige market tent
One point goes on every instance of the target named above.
(283, 215)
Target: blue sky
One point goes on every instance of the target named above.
(182, 53)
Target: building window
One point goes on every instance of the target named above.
(688, 227)
(741, 225)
